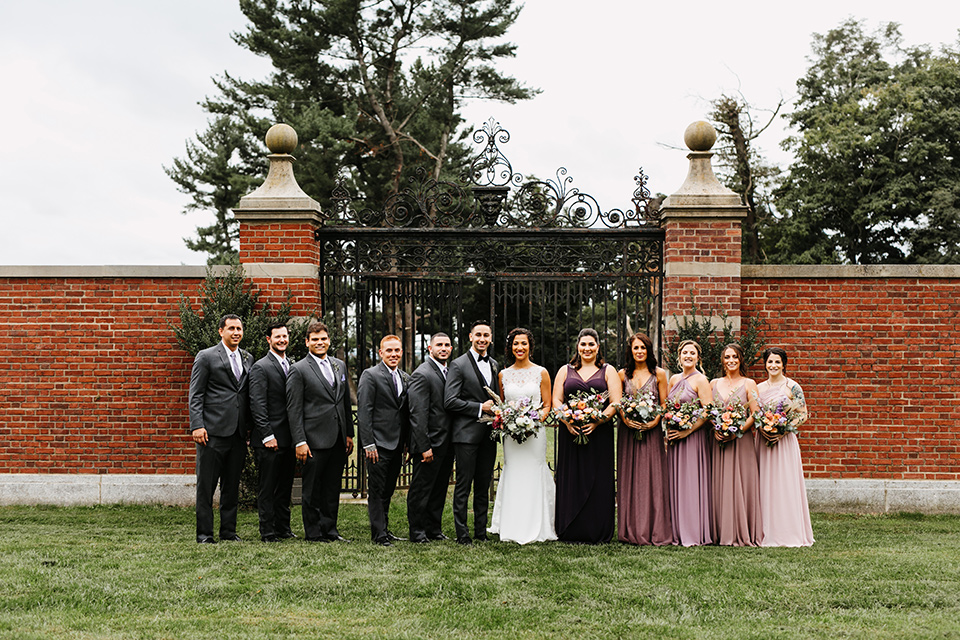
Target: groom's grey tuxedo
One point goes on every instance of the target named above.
(219, 403)
(319, 414)
(475, 452)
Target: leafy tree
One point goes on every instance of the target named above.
(712, 339)
(877, 171)
(372, 88)
(742, 169)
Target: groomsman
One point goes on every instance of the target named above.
(271, 440)
(474, 451)
(430, 445)
(383, 420)
(219, 422)
(318, 407)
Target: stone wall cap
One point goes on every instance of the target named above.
(812, 271)
(108, 271)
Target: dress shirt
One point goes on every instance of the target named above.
(485, 371)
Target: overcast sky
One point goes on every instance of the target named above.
(97, 96)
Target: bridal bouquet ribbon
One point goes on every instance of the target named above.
(640, 406)
(518, 419)
(728, 418)
(777, 418)
(680, 416)
(582, 409)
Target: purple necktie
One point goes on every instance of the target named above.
(237, 371)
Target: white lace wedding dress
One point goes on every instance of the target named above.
(526, 495)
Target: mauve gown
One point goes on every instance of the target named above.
(688, 467)
(783, 494)
(643, 503)
(735, 484)
(585, 481)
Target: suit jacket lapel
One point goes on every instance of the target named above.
(476, 370)
(322, 378)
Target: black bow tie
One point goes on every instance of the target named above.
(483, 358)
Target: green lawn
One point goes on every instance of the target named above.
(135, 572)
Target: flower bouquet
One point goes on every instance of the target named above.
(641, 407)
(518, 419)
(728, 418)
(777, 419)
(679, 416)
(580, 410)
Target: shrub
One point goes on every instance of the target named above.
(712, 340)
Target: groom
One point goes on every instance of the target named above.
(474, 451)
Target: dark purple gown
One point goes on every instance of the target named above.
(585, 481)
(643, 503)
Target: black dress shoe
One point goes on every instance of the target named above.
(205, 540)
(481, 538)
(270, 539)
(337, 538)
(231, 538)
(465, 541)
(288, 535)
(383, 542)
(317, 539)
(437, 536)
(419, 539)
(394, 537)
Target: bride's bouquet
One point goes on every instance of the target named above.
(640, 406)
(518, 419)
(777, 418)
(728, 418)
(580, 410)
(679, 416)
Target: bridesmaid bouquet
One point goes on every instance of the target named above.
(580, 410)
(679, 416)
(518, 419)
(777, 419)
(641, 407)
(728, 418)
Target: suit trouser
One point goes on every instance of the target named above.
(381, 483)
(428, 491)
(322, 478)
(220, 460)
(276, 467)
(474, 468)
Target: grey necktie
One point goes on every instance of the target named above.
(285, 367)
(397, 383)
(237, 371)
(327, 372)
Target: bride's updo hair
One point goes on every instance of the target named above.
(519, 331)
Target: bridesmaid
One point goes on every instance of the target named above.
(783, 496)
(643, 502)
(735, 478)
(688, 462)
(585, 481)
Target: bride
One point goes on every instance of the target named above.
(526, 496)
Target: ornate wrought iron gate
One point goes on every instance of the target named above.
(541, 254)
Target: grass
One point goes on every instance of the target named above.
(135, 572)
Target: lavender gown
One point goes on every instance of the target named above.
(585, 484)
(735, 484)
(688, 468)
(783, 495)
(643, 502)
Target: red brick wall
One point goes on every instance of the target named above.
(876, 358)
(92, 380)
(693, 241)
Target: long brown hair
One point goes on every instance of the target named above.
(575, 360)
(630, 364)
(737, 349)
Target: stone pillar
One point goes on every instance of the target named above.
(702, 247)
(277, 225)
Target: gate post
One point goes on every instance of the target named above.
(702, 246)
(277, 225)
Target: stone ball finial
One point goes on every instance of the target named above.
(700, 136)
(281, 138)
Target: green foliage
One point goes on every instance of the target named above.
(699, 326)
(877, 172)
(373, 89)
